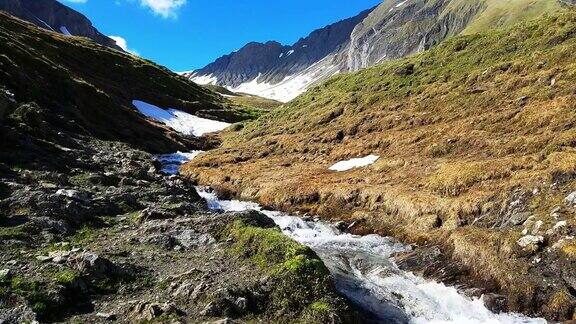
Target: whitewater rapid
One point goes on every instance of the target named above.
(365, 272)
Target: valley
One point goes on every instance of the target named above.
(412, 164)
(473, 139)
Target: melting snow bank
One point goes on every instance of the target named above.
(354, 163)
(171, 162)
(365, 273)
(180, 121)
(292, 85)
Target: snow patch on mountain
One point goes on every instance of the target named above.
(180, 121)
(204, 79)
(293, 85)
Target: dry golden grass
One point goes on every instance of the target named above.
(483, 124)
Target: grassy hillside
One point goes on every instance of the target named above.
(251, 102)
(477, 149)
(504, 13)
(87, 88)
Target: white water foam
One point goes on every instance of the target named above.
(365, 272)
(171, 162)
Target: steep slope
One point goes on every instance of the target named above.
(397, 29)
(71, 84)
(52, 15)
(474, 146)
(394, 29)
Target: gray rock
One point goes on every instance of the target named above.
(224, 321)
(241, 304)
(6, 274)
(530, 243)
(211, 309)
(571, 199)
(150, 311)
(43, 258)
(198, 290)
(189, 238)
(93, 264)
(519, 218)
(73, 194)
(107, 316)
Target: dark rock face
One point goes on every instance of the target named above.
(274, 61)
(245, 64)
(53, 15)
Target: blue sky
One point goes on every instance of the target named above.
(188, 34)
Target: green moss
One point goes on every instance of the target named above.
(66, 277)
(22, 233)
(320, 307)
(300, 276)
(268, 248)
(84, 236)
(135, 217)
(33, 292)
(84, 180)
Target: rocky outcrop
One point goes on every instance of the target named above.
(395, 30)
(52, 15)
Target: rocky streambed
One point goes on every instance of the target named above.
(111, 238)
(117, 237)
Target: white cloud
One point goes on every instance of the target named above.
(163, 8)
(123, 44)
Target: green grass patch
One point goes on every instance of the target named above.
(34, 293)
(66, 277)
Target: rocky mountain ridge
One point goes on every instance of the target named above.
(52, 15)
(271, 63)
(393, 29)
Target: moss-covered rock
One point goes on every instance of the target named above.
(302, 288)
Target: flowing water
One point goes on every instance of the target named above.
(364, 271)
